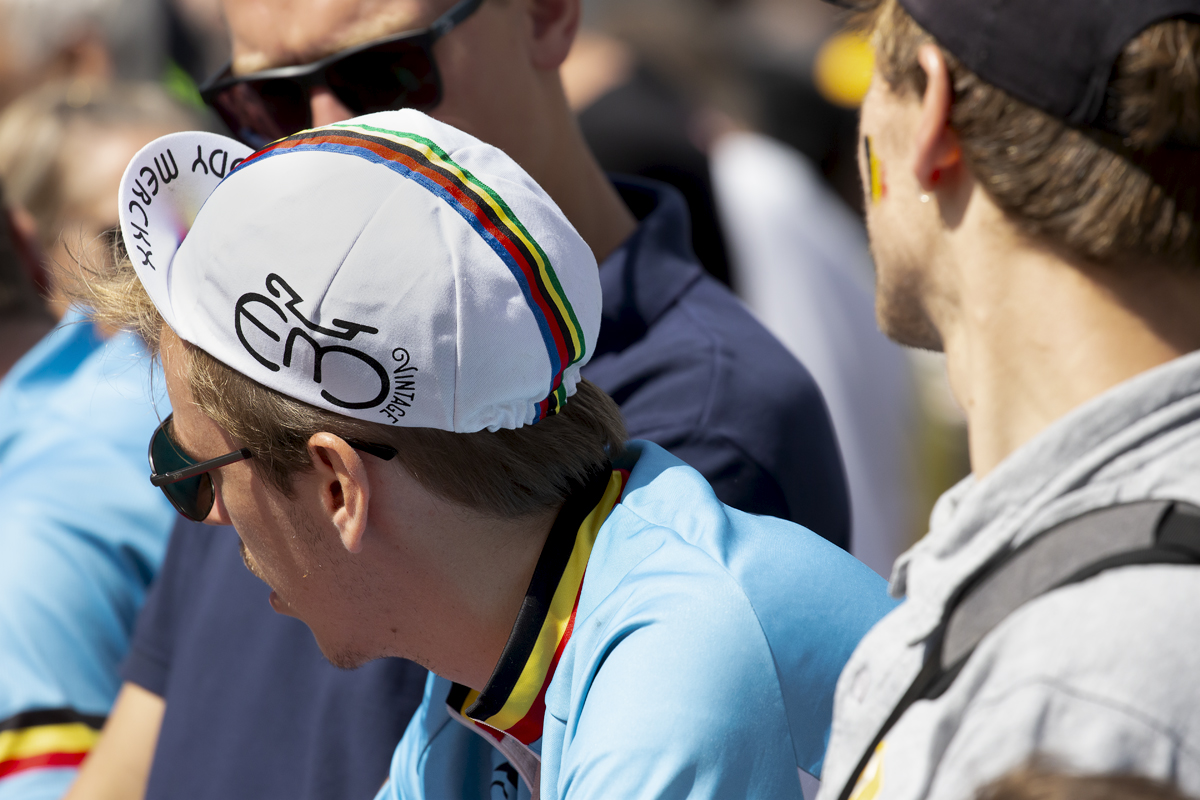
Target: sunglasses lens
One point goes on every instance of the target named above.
(259, 112)
(192, 497)
(389, 76)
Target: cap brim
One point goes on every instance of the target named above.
(162, 191)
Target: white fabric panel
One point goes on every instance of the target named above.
(352, 286)
(801, 263)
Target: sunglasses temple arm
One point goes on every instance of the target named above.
(447, 22)
(199, 469)
(381, 451)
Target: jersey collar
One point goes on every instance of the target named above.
(514, 700)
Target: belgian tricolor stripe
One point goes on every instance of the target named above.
(50, 737)
(514, 701)
(426, 163)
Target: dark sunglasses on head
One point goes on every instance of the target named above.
(186, 482)
(391, 73)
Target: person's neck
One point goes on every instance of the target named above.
(471, 574)
(18, 336)
(587, 196)
(1034, 334)
(557, 157)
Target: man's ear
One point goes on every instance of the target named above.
(345, 488)
(552, 25)
(937, 147)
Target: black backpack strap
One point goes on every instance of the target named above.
(1148, 532)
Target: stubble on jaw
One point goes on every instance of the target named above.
(248, 560)
(901, 309)
(346, 658)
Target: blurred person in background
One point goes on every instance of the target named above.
(82, 539)
(63, 149)
(799, 251)
(1031, 172)
(748, 107)
(225, 698)
(637, 117)
(59, 40)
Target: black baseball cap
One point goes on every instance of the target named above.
(1055, 55)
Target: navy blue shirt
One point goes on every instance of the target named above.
(694, 372)
(254, 710)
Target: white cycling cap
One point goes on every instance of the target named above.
(390, 268)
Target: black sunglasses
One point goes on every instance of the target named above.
(186, 482)
(391, 73)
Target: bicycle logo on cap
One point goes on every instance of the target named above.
(277, 287)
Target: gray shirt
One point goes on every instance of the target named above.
(1100, 676)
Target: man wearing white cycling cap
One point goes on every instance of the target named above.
(372, 336)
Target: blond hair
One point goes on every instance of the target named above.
(506, 473)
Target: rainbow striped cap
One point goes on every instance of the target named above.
(389, 268)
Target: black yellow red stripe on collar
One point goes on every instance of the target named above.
(514, 701)
(44, 738)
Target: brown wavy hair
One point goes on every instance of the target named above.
(1132, 197)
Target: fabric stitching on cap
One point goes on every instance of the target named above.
(458, 337)
(491, 219)
(316, 302)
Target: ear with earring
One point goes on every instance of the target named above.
(934, 177)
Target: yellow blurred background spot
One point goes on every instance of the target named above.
(842, 70)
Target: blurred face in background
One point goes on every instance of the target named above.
(63, 149)
(28, 60)
(902, 226)
(495, 83)
(14, 72)
(91, 164)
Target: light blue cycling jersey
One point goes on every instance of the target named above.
(669, 646)
(82, 533)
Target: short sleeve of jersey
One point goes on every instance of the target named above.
(82, 535)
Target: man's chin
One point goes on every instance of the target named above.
(279, 605)
(343, 657)
(901, 317)
(911, 333)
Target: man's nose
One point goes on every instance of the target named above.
(326, 108)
